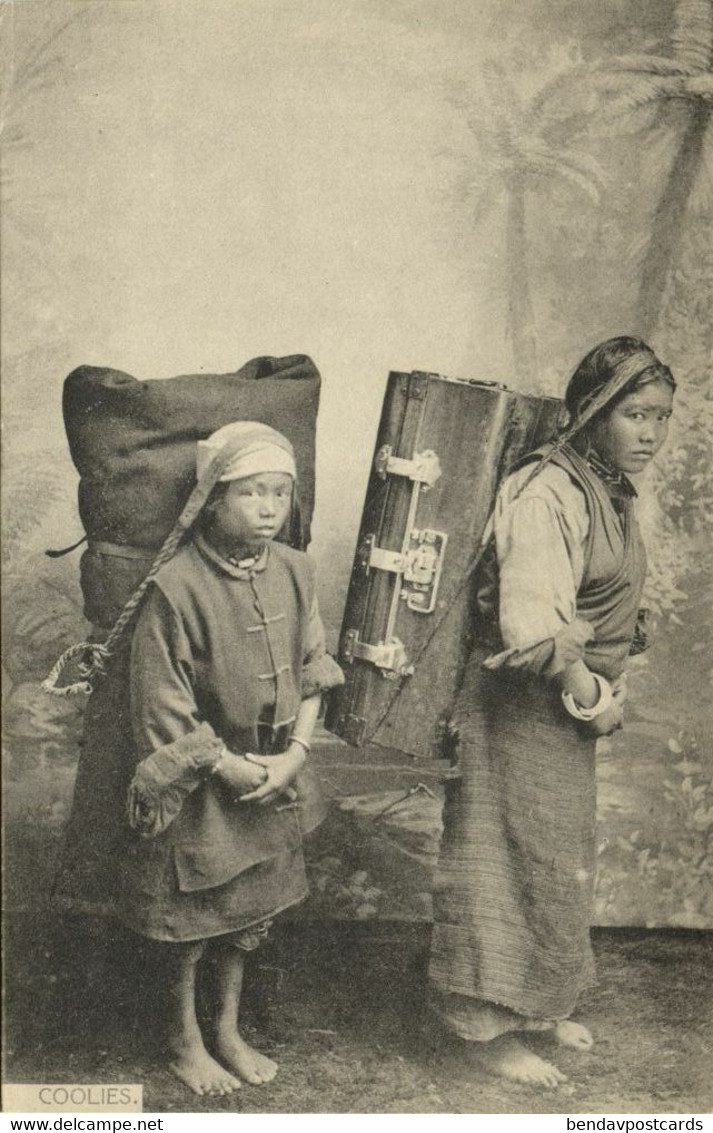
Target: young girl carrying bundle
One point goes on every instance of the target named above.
(227, 669)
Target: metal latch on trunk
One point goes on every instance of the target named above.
(416, 567)
(418, 571)
(419, 565)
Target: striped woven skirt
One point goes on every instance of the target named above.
(515, 881)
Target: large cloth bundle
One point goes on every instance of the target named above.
(133, 444)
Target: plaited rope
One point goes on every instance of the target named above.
(92, 652)
(630, 368)
(96, 654)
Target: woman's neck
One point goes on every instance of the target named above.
(613, 477)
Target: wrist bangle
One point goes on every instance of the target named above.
(605, 699)
(302, 744)
(217, 763)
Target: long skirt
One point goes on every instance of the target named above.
(515, 881)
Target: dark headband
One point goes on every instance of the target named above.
(628, 369)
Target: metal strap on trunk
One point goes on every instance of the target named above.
(417, 566)
(423, 467)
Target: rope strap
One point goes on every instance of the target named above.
(636, 364)
(95, 656)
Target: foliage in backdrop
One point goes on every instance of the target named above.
(581, 170)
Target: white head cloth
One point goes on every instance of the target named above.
(258, 448)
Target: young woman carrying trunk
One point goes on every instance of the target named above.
(558, 607)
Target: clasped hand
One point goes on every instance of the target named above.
(239, 773)
(259, 778)
(612, 719)
(279, 771)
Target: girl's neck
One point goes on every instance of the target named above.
(230, 550)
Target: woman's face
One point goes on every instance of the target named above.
(636, 428)
(253, 510)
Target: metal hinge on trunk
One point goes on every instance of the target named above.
(423, 467)
(415, 384)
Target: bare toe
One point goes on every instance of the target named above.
(508, 1058)
(253, 1067)
(201, 1073)
(573, 1035)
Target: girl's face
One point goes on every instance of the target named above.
(253, 510)
(636, 428)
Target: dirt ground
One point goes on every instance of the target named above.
(341, 1008)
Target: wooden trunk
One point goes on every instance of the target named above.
(442, 448)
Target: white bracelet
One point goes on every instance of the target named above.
(219, 760)
(606, 698)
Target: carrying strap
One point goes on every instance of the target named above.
(122, 551)
(60, 552)
(632, 366)
(95, 655)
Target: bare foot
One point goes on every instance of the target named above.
(252, 1066)
(194, 1066)
(508, 1058)
(573, 1035)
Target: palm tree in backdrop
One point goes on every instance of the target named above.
(523, 149)
(673, 94)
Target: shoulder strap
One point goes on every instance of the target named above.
(92, 657)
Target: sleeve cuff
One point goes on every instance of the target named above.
(319, 675)
(166, 777)
(546, 658)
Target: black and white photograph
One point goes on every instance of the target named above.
(357, 603)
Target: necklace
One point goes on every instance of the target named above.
(247, 562)
(614, 478)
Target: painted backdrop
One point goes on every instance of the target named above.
(481, 188)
